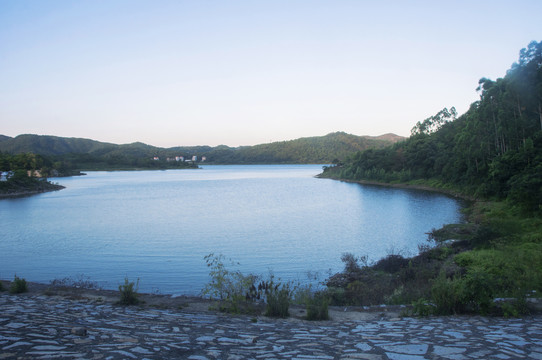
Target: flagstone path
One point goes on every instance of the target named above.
(36, 326)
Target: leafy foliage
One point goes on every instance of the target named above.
(278, 300)
(317, 306)
(71, 153)
(231, 287)
(25, 173)
(18, 286)
(128, 293)
(493, 150)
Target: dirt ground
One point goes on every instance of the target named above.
(199, 304)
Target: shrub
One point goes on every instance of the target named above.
(447, 295)
(336, 296)
(422, 307)
(317, 307)
(391, 264)
(352, 263)
(355, 292)
(234, 290)
(479, 291)
(278, 301)
(18, 286)
(128, 293)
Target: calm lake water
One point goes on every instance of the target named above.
(158, 225)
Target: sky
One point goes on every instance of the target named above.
(208, 72)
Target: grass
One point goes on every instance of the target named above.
(497, 254)
(317, 306)
(80, 282)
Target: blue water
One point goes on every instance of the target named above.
(158, 225)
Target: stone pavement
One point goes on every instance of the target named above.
(46, 327)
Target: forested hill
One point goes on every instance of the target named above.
(81, 152)
(309, 150)
(493, 150)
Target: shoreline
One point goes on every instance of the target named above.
(18, 194)
(195, 303)
(451, 193)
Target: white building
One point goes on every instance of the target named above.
(5, 175)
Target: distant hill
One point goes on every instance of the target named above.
(51, 145)
(320, 149)
(4, 138)
(315, 150)
(388, 137)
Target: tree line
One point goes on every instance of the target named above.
(494, 150)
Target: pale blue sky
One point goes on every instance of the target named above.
(210, 72)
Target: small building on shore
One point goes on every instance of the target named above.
(5, 175)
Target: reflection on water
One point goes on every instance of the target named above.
(158, 225)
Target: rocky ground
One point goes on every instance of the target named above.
(70, 323)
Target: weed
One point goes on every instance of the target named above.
(512, 307)
(234, 290)
(317, 306)
(81, 281)
(128, 293)
(18, 286)
(397, 297)
(278, 300)
(422, 307)
(447, 295)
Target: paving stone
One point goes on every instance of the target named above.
(43, 327)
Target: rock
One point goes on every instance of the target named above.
(79, 331)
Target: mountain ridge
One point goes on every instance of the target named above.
(303, 150)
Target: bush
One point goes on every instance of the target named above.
(447, 295)
(352, 263)
(278, 301)
(473, 292)
(234, 290)
(479, 291)
(336, 296)
(128, 293)
(317, 307)
(391, 264)
(355, 293)
(18, 286)
(422, 307)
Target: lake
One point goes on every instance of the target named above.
(159, 225)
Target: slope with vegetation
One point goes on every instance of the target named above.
(309, 150)
(492, 153)
(25, 174)
(84, 154)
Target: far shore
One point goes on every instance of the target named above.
(17, 194)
